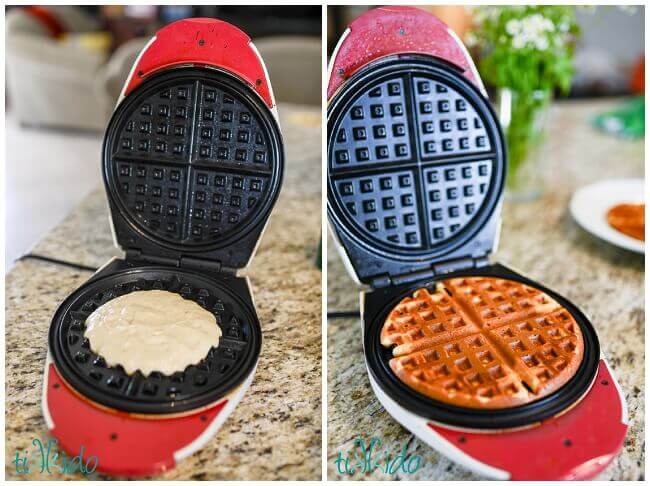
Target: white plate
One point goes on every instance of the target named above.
(589, 206)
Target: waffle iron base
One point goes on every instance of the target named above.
(378, 303)
(157, 395)
(568, 447)
(123, 444)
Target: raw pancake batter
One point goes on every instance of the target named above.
(152, 330)
(482, 342)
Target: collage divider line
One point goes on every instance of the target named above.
(323, 245)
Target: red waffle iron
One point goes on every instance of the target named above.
(416, 169)
(192, 164)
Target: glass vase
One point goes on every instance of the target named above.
(523, 119)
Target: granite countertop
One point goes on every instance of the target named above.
(275, 432)
(541, 240)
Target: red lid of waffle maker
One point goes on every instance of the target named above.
(416, 159)
(193, 154)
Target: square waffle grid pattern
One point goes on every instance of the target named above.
(411, 125)
(375, 129)
(156, 387)
(192, 162)
(492, 343)
(453, 193)
(447, 122)
(387, 202)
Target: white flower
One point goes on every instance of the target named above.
(513, 27)
(533, 31)
(537, 23)
(546, 23)
(518, 42)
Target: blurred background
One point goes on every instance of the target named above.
(65, 67)
(608, 52)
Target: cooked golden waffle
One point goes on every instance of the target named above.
(483, 342)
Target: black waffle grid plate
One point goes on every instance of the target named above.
(377, 308)
(193, 158)
(414, 162)
(198, 385)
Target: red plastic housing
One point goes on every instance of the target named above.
(394, 30)
(207, 42)
(124, 445)
(577, 445)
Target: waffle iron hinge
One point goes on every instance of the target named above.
(198, 264)
(438, 268)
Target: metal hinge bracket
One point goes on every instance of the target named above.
(204, 266)
(436, 269)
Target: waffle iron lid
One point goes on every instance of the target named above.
(416, 168)
(192, 164)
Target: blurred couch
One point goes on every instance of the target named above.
(58, 74)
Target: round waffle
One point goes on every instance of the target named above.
(485, 343)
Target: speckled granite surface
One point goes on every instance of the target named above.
(275, 432)
(541, 240)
